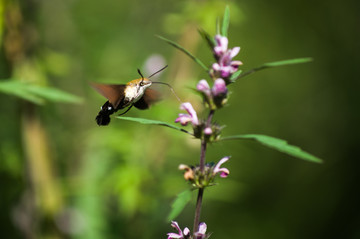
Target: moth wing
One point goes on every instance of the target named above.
(150, 96)
(114, 93)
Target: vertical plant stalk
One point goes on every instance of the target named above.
(41, 178)
(202, 168)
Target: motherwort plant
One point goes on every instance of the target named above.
(222, 73)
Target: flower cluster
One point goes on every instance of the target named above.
(225, 66)
(201, 130)
(215, 97)
(199, 179)
(185, 234)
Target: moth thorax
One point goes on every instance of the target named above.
(135, 89)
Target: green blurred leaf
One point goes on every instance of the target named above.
(36, 94)
(278, 144)
(174, 44)
(276, 64)
(235, 75)
(53, 94)
(153, 122)
(288, 62)
(182, 199)
(208, 39)
(226, 22)
(18, 88)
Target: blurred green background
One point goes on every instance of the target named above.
(62, 176)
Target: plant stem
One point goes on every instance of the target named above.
(198, 209)
(202, 169)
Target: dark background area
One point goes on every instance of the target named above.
(62, 176)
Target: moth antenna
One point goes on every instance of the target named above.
(172, 90)
(158, 71)
(142, 77)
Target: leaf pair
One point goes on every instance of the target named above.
(268, 141)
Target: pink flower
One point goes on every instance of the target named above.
(208, 131)
(221, 45)
(225, 67)
(184, 119)
(185, 234)
(224, 172)
(201, 234)
(219, 87)
(204, 87)
(180, 234)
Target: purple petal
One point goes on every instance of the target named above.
(184, 119)
(225, 59)
(202, 228)
(234, 52)
(208, 131)
(224, 172)
(204, 87)
(219, 87)
(216, 67)
(202, 231)
(236, 63)
(221, 45)
(174, 236)
(175, 225)
(225, 71)
(186, 231)
(188, 107)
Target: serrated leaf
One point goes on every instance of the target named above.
(153, 122)
(174, 44)
(226, 22)
(276, 64)
(182, 199)
(278, 144)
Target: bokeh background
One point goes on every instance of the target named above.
(62, 176)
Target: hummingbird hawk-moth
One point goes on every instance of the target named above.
(120, 96)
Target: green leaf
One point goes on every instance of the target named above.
(174, 44)
(209, 40)
(288, 62)
(226, 22)
(278, 144)
(235, 75)
(276, 64)
(36, 94)
(17, 88)
(53, 94)
(182, 199)
(153, 122)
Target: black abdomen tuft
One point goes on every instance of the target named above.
(103, 118)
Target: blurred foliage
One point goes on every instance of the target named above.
(62, 176)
